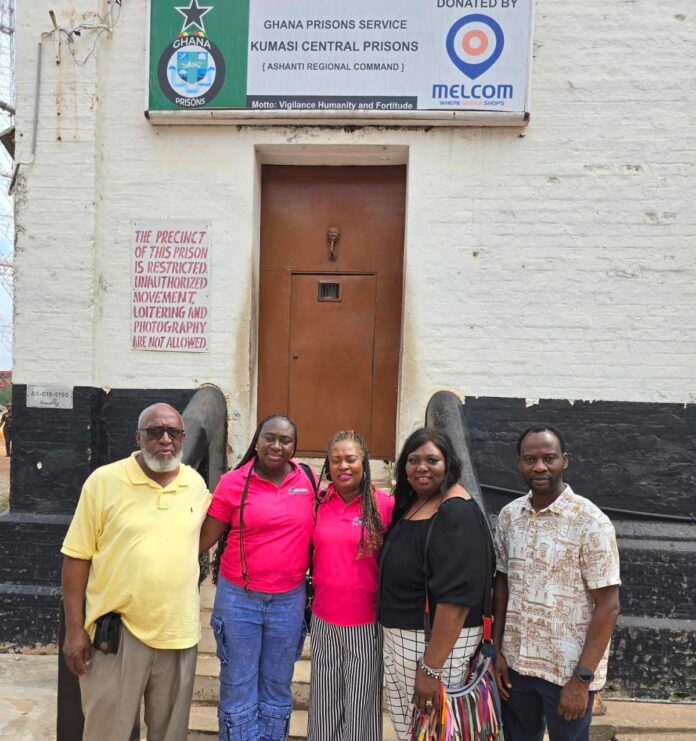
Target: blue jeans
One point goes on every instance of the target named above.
(259, 637)
(532, 706)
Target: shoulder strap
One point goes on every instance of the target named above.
(490, 567)
(310, 475)
(427, 623)
(242, 556)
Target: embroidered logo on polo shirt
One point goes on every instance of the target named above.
(298, 490)
(358, 521)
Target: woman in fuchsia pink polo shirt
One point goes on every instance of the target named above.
(267, 503)
(345, 695)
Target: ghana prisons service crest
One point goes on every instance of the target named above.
(191, 68)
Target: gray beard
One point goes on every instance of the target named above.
(160, 466)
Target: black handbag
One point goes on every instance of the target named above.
(108, 633)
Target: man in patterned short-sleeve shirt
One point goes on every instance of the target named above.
(556, 598)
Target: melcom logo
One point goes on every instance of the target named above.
(474, 44)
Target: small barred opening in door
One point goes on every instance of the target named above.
(328, 291)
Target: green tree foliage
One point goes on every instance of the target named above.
(6, 395)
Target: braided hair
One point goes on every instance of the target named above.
(371, 533)
(404, 496)
(249, 455)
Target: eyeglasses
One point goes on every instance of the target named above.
(157, 433)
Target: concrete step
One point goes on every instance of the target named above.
(601, 733)
(302, 671)
(207, 643)
(203, 724)
(208, 646)
(623, 721)
(647, 719)
(655, 737)
(203, 721)
(206, 690)
(207, 594)
(206, 687)
(207, 665)
(298, 727)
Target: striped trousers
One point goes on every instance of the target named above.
(345, 689)
(402, 649)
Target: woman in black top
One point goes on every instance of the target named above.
(430, 505)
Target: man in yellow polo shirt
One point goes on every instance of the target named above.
(132, 549)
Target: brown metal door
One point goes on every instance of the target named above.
(332, 323)
(346, 372)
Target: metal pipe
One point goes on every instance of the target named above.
(35, 127)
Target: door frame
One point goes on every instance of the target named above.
(331, 156)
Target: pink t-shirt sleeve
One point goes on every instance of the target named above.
(223, 504)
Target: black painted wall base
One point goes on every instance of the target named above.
(28, 617)
(653, 652)
(628, 455)
(653, 658)
(29, 578)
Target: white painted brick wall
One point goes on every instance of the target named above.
(558, 261)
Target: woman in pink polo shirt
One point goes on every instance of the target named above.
(345, 695)
(267, 503)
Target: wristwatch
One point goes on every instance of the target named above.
(583, 674)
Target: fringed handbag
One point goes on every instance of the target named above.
(472, 712)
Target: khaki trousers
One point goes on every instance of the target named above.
(115, 684)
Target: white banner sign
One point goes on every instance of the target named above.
(171, 286)
(425, 59)
(389, 56)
